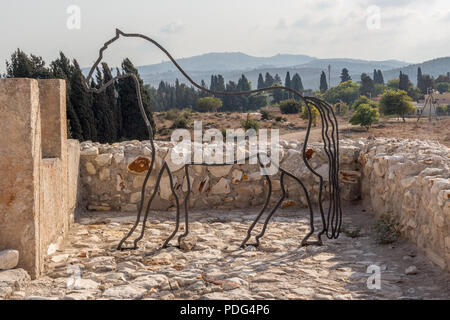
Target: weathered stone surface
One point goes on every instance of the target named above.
(390, 175)
(16, 278)
(105, 174)
(222, 187)
(90, 168)
(103, 159)
(125, 292)
(39, 168)
(188, 243)
(220, 171)
(9, 259)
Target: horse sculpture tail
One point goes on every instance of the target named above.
(333, 222)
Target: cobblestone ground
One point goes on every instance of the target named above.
(89, 267)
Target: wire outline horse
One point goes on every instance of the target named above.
(333, 220)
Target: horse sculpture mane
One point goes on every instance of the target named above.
(331, 222)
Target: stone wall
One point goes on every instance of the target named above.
(38, 168)
(408, 180)
(112, 177)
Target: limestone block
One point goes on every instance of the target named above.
(103, 159)
(174, 166)
(90, 168)
(118, 158)
(220, 171)
(105, 174)
(135, 197)
(9, 259)
(91, 151)
(129, 208)
(165, 190)
(222, 187)
(185, 185)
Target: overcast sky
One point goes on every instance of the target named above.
(409, 30)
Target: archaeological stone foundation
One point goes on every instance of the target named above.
(46, 177)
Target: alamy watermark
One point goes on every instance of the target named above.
(239, 147)
(374, 280)
(74, 19)
(373, 21)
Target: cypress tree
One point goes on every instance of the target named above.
(269, 81)
(261, 83)
(420, 82)
(375, 76)
(404, 82)
(277, 94)
(288, 84)
(133, 125)
(323, 82)
(345, 76)
(62, 69)
(367, 87)
(243, 85)
(111, 94)
(81, 103)
(380, 77)
(297, 83)
(103, 113)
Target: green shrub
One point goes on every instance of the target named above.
(363, 100)
(314, 114)
(341, 108)
(290, 106)
(250, 123)
(396, 102)
(365, 116)
(442, 110)
(209, 104)
(265, 115)
(172, 114)
(186, 113)
(181, 123)
(386, 230)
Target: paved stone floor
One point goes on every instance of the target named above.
(89, 267)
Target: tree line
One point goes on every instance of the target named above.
(109, 116)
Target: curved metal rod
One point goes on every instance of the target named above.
(307, 101)
(258, 217)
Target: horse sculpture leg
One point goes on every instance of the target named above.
(186, 206)
(157, 184)
(249, 232)
(283, 196)
(138, 218)
(177, 221)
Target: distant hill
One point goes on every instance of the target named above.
(227, 61)
(232, 65)
(433, 67)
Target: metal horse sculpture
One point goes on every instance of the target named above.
(331, 222)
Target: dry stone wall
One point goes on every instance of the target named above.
(408, 180)
(112, 177)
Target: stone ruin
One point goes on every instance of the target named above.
(39, 170)
(46, 178)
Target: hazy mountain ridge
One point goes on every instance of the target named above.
(433, 67)
(232, 65)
